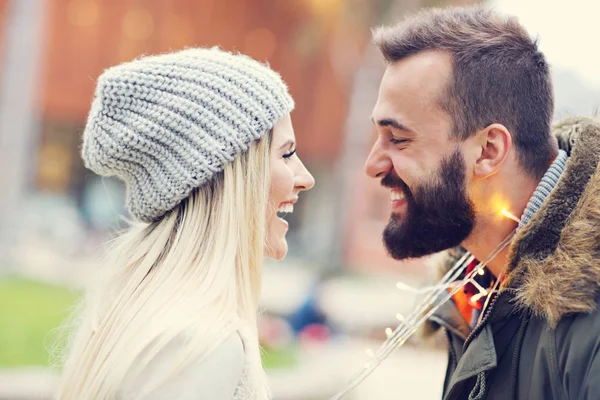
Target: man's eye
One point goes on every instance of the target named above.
(397, 141)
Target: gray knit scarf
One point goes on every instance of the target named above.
(546, 185)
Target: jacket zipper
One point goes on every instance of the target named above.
(484, 320)
(452, 365)
(515, 357)
(453, 357)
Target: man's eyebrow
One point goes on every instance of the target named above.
(391, 122)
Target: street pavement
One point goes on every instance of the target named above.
(323, 370)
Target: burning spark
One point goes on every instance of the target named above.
(507, 214)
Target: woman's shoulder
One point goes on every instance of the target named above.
(220, 372)
(216, 376)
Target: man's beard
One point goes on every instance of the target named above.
(439, 215)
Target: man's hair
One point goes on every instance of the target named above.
(499, 75)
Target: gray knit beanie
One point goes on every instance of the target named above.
(167, 124)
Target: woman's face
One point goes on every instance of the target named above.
(288, 178)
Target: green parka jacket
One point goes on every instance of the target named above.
(540, 338)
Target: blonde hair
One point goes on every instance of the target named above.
(194, 274)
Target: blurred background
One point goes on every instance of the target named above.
(335, 294)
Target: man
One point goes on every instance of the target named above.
(463, 121)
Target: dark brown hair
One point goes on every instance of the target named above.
(499, 75)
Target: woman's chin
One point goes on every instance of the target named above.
(277, 252)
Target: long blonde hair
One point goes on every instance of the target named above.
(194, 274)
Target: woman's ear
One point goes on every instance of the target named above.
(495, 143)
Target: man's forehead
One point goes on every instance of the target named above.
(426, 73)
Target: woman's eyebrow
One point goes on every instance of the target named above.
(287, 144)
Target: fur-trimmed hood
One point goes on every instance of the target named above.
(554, 262)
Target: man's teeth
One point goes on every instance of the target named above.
(396, 195)
(286, 208)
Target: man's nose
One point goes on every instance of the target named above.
(378, 163)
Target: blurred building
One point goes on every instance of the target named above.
(321, 47)
(314, 44)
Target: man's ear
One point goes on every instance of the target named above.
(495, 143)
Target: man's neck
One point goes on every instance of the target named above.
(516, 190)
(492, 227)
(485, 242)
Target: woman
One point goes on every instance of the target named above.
(203, 140)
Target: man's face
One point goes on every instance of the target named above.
(418, 161)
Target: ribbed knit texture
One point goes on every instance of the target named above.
(546, 185)
(167, 124)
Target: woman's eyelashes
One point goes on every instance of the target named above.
(288, 155)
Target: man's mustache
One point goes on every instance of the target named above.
(393, 181)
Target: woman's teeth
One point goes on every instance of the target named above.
(285, 208)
